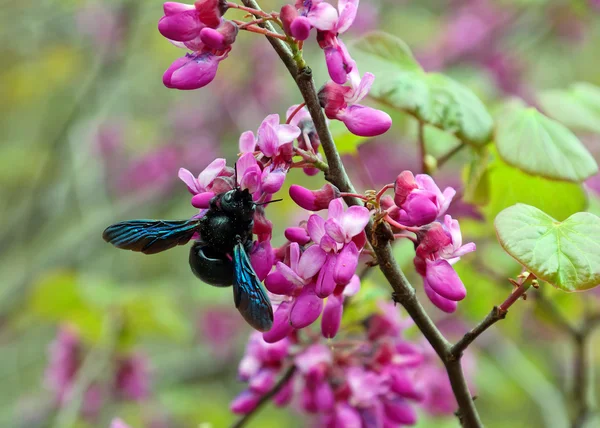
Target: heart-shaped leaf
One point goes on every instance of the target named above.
(578, 107)
(565, 254)
(433, 98)
(541, 146)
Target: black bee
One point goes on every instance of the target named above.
(219, 257)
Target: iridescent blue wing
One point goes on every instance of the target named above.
(248, 294)
(150, 236)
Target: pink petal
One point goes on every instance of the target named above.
(276, 283)
(315, 228)
(353, 286)
(285, 394)
(323, 16)
(365, 121)
(297, 234)
(336, 209)
(363, 88)
(287, 133)
(294, 251)
(332, 316)
(420, 209)
(268, 142)
(306, 308)
(467, 248)
(311, 261)
(245, 162)
(445, 305)
(453, 227)
(300, 28)
(281, 324)
(189, 180)
(289, 274)
(247, 143)
(325, 282)
(399, 411)
(202, 200)
(444, 280)
(335, 64)
(329, 244)
(251, 179)
(262, 259)
(193, 72)
(263, 381)
(346, 264)
(335, 230)
(171, 8)
(211, 172)
(425, 182)
(181, 27)
(272, 180)
(244, 403)
(213, 38)
(355, 220)
(347, 10)
(118, 423)
(447, 197)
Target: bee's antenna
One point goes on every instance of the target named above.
(270, 202)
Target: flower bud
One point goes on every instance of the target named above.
(220, 38)
(314, 200)
(346, 264)
(365, 121)
(262, 382)
(210, 12)
(244, 403)
(300, 28)
(297, 234)
(192, 71)
(287, 15)
(405, 183)
(332, 316)
(281, 324)
(306, 309)
(400, 412)
(180, 23)
(202, 200)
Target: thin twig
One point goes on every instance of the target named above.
(265, 398)
(450, 154)
(496, 314)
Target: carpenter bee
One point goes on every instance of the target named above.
(219, 257)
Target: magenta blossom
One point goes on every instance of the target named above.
(439, 248)
(330, 23)
(373, 385)
(419, 199)
(273, 140)
(201, 29)
(314, 200)
(340, 102)
(215, 178)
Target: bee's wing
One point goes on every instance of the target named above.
(248, 294)
(150, 236)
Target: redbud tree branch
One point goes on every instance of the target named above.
(380, 236)
(287, 376)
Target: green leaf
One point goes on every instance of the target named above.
(565, 254)
(577, 107)
(432, 98)
(509, 185)
(541, 146)
(477, 180)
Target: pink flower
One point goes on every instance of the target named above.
(330, 23)
(201, 29)
(340, 102)
(215, 178)
(439, 248)
(133, 378)
(193, 71)
(420, 200)
(273, 139)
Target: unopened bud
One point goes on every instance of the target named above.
(314, 200)
(404, 184)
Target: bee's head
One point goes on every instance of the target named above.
(238, 202)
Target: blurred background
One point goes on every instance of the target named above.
(90, 136)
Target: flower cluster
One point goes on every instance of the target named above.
(130, 376)
(419, 206)
(375, 378)
(201, 29)
(317, 270)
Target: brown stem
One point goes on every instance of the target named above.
(265, 398)
(449, 155)
(380, 238)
